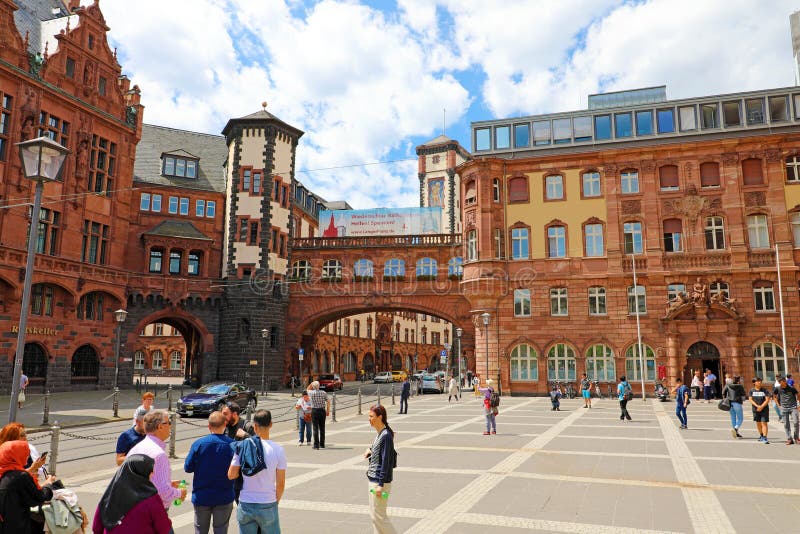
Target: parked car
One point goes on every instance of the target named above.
(383, 378)
(399, 376)
(417, 376)
(431, 383)
(329, 382)
(214, 396)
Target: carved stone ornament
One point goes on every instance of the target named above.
(631, 207)
(755, 198)
(774, 155)
(688, 168)
(610, 168)
(729, 158)
(470, 218)
(649, 166)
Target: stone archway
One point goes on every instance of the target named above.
(368, 364)
(704, 355)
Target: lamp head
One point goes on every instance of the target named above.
(120, 315)
(459, 331)
(42, 159)
(485, 316)
(265, 333)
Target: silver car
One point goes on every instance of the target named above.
(431, 383)
(383, 378)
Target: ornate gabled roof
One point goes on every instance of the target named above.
(259, 118)
(179, 152)
(181, 229)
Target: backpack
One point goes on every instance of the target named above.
(628, 392)
(494, 400)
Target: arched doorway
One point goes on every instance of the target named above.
(434, 365)
(34, 364)
(368, 364)
(703, 355)
(85, 366)
(397, 362)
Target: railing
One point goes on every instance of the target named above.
(764, 258)
(389, 241)
(641, 264)
(695, 261)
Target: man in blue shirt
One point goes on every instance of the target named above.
(212, 494)
(129, 438)
(681, 401)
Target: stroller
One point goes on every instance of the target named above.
(662, 393)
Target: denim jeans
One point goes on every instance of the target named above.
(305, 427)
(737, 416)
(680, 411)
(252, 516)
(203, 515)
(790, 420)
(708, 393)
(490, 421)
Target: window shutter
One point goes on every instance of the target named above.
(752, 173)
(517, 189)
(709, 174)
(672, 226)
(668, 176)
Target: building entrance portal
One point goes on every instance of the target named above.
(703, 355)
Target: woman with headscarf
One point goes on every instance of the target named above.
(16, 432)
(19, 489)
(130, 504)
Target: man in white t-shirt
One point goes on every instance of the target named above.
(263, 465)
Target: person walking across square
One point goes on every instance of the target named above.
(624, 393)
(787, 400)
(382, 460)
(681, 402)
(586, 391)
(452, 389)
(320, 408)
(262, 462)
(759, 398)
(736, 394)
(488, 410)
(405, 393)
(303, 406)
(209, 459)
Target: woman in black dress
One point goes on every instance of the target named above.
(19, 490)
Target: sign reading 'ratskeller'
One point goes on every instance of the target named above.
(35, 331)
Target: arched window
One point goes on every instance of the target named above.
(332, 270)
(394, 268)
(363, 268)
(157, 360)
(561, 362)
(138, 359)
(426, 267)
(768, 361)
(524, 363)
(90, 307)
(633, 366)
(34, 361)
(455, 267)
(301, 270)
(175, 360)
(85, 366)
(350, 363)
(600, 363)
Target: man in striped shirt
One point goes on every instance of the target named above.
(320, 408)
(157, 426)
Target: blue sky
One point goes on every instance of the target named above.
(367, 81)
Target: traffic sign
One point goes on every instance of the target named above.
(300, 351)
(444, 353)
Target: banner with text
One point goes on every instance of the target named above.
(380, 221)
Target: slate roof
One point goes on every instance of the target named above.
(438, 140)
(260, 116)
(182, 229)
(157, 140)
(28, 19)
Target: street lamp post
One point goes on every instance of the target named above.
(42, 161)
(264, 335)
(458, 355)
(120, 316)
(485, 317)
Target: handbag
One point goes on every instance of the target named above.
(724, 405)
(21, 397)
(307, 417)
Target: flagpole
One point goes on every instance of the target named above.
(780, 303)
(642, 369)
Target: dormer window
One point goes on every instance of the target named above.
(183, 167)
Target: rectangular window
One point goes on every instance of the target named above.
(69, 68)
(191, 168)
(556, 242)
(246, 176)
(256, 183)
(193, 267)
(184, 206)
(754, 107)
(243, 225)
(687, 118)
(180, 167)
(637, 300)
(199, 208)
(591, 184)
(95, 242)
(274, 240)
(594, 240)
(764, 298)
(644, 122)
(796, 229)
(632, 236)
(757, 231)
(597, 301)
(211, 208)
(666, 121)
(169, 166)
(519, 243)
(558, 302)
(155, 261)
(156, 205)
(673, 228)
(541, 133)
(521, 135)
(498, 243)
(714, 233)
(144, 202)
(472, 245)
(502, 137)
(602, 127)
(48, 232)
(582, 128)
(101, 85)
(483, 139)
(42, 300)
(710, 115)
(623, 125)
(102, 165)
(730, 113)
(5, 124)
(562, 131)
(175, 262)
(522, 303)
(674, 290)
(793, 169)
(173, 205)
(554, 187)
(253, 233)
(629, 181)
(778, 108)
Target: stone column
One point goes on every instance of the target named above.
(672, 357)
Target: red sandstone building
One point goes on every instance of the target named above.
(695, 193)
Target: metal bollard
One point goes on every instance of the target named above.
(333, 409)
(54, 437)
(392, 394)
(359, 401)
(169, 398)
(115, 404)
(173, 430)
(292, 387)
(297, 420)
(379, 395)
(46, 412)
(266, 388)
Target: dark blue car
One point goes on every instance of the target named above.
(214, 396)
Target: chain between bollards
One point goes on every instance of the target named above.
(359, 401)
(54, 437)
(173, 429)
(392, 394)
(116, 402)
(46, 412)
(333, 409)
(169, 398)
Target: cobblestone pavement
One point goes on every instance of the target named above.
(576, 470)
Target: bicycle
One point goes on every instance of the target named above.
(570, 391)
(596, 384)
(610, 391)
